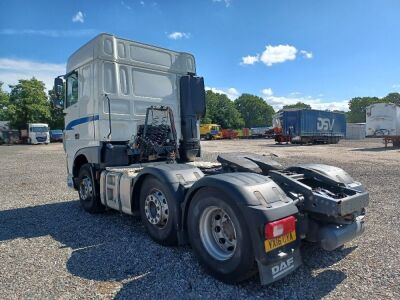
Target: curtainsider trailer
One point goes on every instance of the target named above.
(309, 126)
(132, 143)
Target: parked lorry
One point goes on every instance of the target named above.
(259, 132)
(132, 138)
(304, 126)
(210, 131)
(9, 136)
(382, 119)
(35, 133)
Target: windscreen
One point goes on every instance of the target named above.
(40, 129)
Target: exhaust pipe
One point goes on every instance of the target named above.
(333, 236)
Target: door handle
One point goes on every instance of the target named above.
(77, 136)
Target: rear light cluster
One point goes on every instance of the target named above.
(280, 227)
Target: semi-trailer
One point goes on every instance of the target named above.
(304, 126)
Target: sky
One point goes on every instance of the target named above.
(319, 52)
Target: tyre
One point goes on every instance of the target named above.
(208, 137)
(219, 236)
(159, 211)
(89, 191)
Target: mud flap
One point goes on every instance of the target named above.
(279, 269)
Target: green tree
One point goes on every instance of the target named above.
(300, 105)
(254, 110)
(57, 116)
(220, 110)
(358, 106)
(28, 103)
(4, 101)
(392, 98)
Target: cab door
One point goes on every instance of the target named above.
(71, 112)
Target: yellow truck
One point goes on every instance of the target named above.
(210, 131)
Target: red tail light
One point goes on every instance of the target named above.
(280, 227)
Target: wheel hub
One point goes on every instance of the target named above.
(156, 208)
(85, 188)
(218, 233)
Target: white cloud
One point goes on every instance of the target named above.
(178, 35)
(307, 54)
(49, 32)
(227, 2)
(395, 86)
(142, 3)
(250, 60)
(78, 17)
(278, 54)
(128, 7)
(11, 70)
(267, 92)
(231, 93)
(275, 54)
(277, 102)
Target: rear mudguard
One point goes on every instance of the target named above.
(261, 201)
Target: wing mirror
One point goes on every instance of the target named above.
(58, 90)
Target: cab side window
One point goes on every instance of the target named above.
(72, 89)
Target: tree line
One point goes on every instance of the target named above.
(252, 111)
(28, 102)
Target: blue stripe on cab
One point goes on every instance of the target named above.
(79, 121)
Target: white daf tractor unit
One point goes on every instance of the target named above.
(37, 133)
(132, 142)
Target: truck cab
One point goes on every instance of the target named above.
(210, 131)
(110, 82)
(38, 133)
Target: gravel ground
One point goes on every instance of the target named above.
(51, 248)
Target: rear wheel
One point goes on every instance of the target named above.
(219, 237)
(89, 190)
(158, 210)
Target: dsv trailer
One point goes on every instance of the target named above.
(132, 138)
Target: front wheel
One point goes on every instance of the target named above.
(219, 237)
(89, 191)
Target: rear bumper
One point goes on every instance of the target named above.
(56, 139)
(333, 236)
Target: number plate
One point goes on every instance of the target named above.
(280, 241)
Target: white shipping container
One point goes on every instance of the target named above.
(355, 131)
(382, 119)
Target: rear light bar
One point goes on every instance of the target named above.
(279, 227)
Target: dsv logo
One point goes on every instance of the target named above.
(325, 124)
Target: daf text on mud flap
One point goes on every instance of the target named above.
(282, 267)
